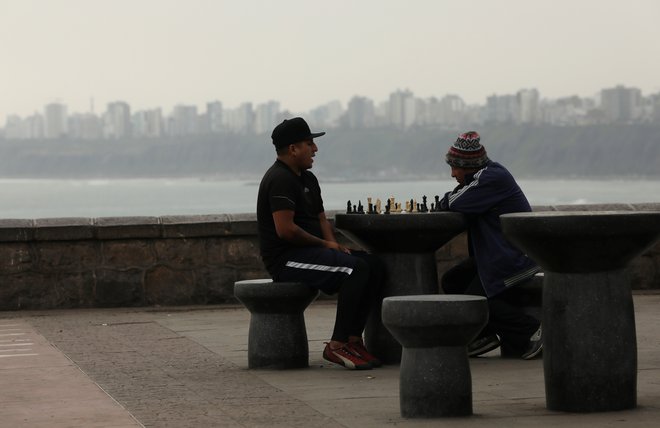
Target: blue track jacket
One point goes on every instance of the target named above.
(487, 194)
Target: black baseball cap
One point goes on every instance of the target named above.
(292, 131)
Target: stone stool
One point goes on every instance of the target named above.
(434, 331)
(277, 338)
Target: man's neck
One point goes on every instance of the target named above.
(290, 163)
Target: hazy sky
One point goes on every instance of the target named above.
(157, 53)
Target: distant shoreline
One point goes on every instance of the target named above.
(550, 152)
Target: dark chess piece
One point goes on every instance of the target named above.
(371, 209)
(360, 208)
(348, 207)
(425, 207)
(437, 203)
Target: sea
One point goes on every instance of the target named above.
(48, 198)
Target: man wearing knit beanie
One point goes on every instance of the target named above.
(485, 191)
(467, 152)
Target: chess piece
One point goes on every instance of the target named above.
(378, 211)
(360, 208)
(415, 206)
(348, 207)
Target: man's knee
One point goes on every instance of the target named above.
(361, 267)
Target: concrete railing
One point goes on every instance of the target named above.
(169, 260)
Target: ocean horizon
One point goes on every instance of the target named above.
(48, 198)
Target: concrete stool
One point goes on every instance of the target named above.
(434, 331)
(277, 337)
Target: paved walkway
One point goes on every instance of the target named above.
(187, 367)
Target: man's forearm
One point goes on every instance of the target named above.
(326, 230)
(298, 236)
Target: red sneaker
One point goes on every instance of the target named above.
(344, 357)
(360, 350)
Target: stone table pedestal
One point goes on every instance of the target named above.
(407, 244)
(590, 349)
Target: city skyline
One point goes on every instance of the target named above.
(403, 110)
(163, 53)
(98, 108)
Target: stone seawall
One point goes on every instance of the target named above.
(171, 260)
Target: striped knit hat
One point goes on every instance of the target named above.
(467, 152)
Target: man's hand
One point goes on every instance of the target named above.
(336, 246)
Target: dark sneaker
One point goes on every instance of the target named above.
(359, 349)
(535, 345)
(344, 357)
(481, 345)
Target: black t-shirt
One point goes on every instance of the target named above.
(282, 189)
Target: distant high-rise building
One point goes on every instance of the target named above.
(447, 112)
(239, 120)
(184, 121)
(326, 115)
(621, 104)
(86, 126)
(402, 109)
(432, 112)
(502, 109)
(14, 128)
(560, 112)
(214, 117)
(528, 105)
(452, 108)
(655, 107)
(55, 121)
(360, 113)
(420, 113)
(148, 123)
(30, 128)
(35, 126)
(117, 120)
(382, 111)
(266, 117)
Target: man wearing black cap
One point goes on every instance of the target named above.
(485, 191)
(297, 243)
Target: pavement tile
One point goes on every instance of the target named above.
(43, 388)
